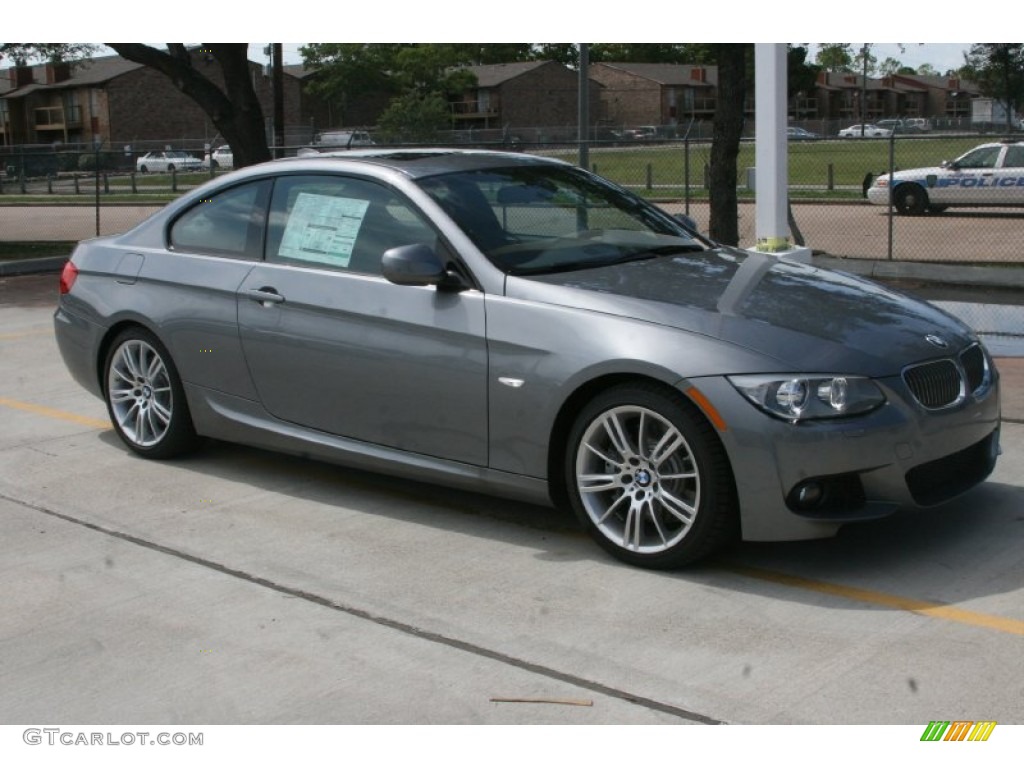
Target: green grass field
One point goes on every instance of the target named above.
(812, 164)
(827, 169)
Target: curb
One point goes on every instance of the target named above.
(32, 266)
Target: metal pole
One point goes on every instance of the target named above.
(96, 169)
(864, 92)
(278, 100)
(892, 170)
(584, 106)
(686, 174)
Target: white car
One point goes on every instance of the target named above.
(990, 175)
(870, 132)
(222, 158)
(166, 161)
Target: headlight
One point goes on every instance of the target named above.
(882, 181)
(803, 396)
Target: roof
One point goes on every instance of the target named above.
(422, 162)
(84, 73)
(666, 74)
(491, 75)
(298, 71)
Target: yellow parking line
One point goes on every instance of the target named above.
(922, 607)
(912, 605)
(54, 413)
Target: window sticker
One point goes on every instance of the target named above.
(323, 229)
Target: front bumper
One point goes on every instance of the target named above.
(899, 456)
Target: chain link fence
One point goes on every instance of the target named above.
(828, 183)
(63, 195)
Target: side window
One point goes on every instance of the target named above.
(340, 222)
(985, 157)
(227, 224)
(1014, 157)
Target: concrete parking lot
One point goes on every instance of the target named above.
(240, 586)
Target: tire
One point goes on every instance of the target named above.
(170, 168)
(648, 478)
(910, 199)
(144, 397)
(143, 169)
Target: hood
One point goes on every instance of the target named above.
(807, 318)
(915, 174)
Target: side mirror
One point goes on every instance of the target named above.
(418, 264)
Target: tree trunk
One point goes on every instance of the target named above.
(235, 110)
(725, 143)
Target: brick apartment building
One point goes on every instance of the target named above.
(115, 101)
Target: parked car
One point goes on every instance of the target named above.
(166, 161)
(794, 133)
(869, 131)
(990, 175)
(342, 140)
(903, 127)
(222, 157)
(513, 324)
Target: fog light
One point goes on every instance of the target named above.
(809, 494)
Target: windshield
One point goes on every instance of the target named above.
(542, 219)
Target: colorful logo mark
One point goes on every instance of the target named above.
(958, 730)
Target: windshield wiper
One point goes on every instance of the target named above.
(578, 264)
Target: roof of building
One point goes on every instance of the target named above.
(667, 74)
(86, 72)
(491, 75)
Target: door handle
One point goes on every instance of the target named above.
(265, 296)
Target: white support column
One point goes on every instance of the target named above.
(772, 153)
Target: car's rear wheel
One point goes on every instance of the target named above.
(143, 169)
(649, 479)
(145, 398)
(910, 199)
(170, 167)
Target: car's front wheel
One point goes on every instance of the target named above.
(649, 479)
(143, 169)
(910, 199)
(145, 398)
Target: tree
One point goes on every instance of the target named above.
(22, 53)
(733, 60)
(835, 57)
(998, 69)
(891, 66)
(925, 70)
(653, 53)
(348, 71)
(232, 107)
(414, 117)
(865, 62)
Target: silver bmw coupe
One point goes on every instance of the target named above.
(515, 325)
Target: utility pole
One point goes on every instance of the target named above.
(278, 80)
(584, 106)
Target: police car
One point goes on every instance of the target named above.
(989, 175)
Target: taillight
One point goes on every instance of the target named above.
(67, 277)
